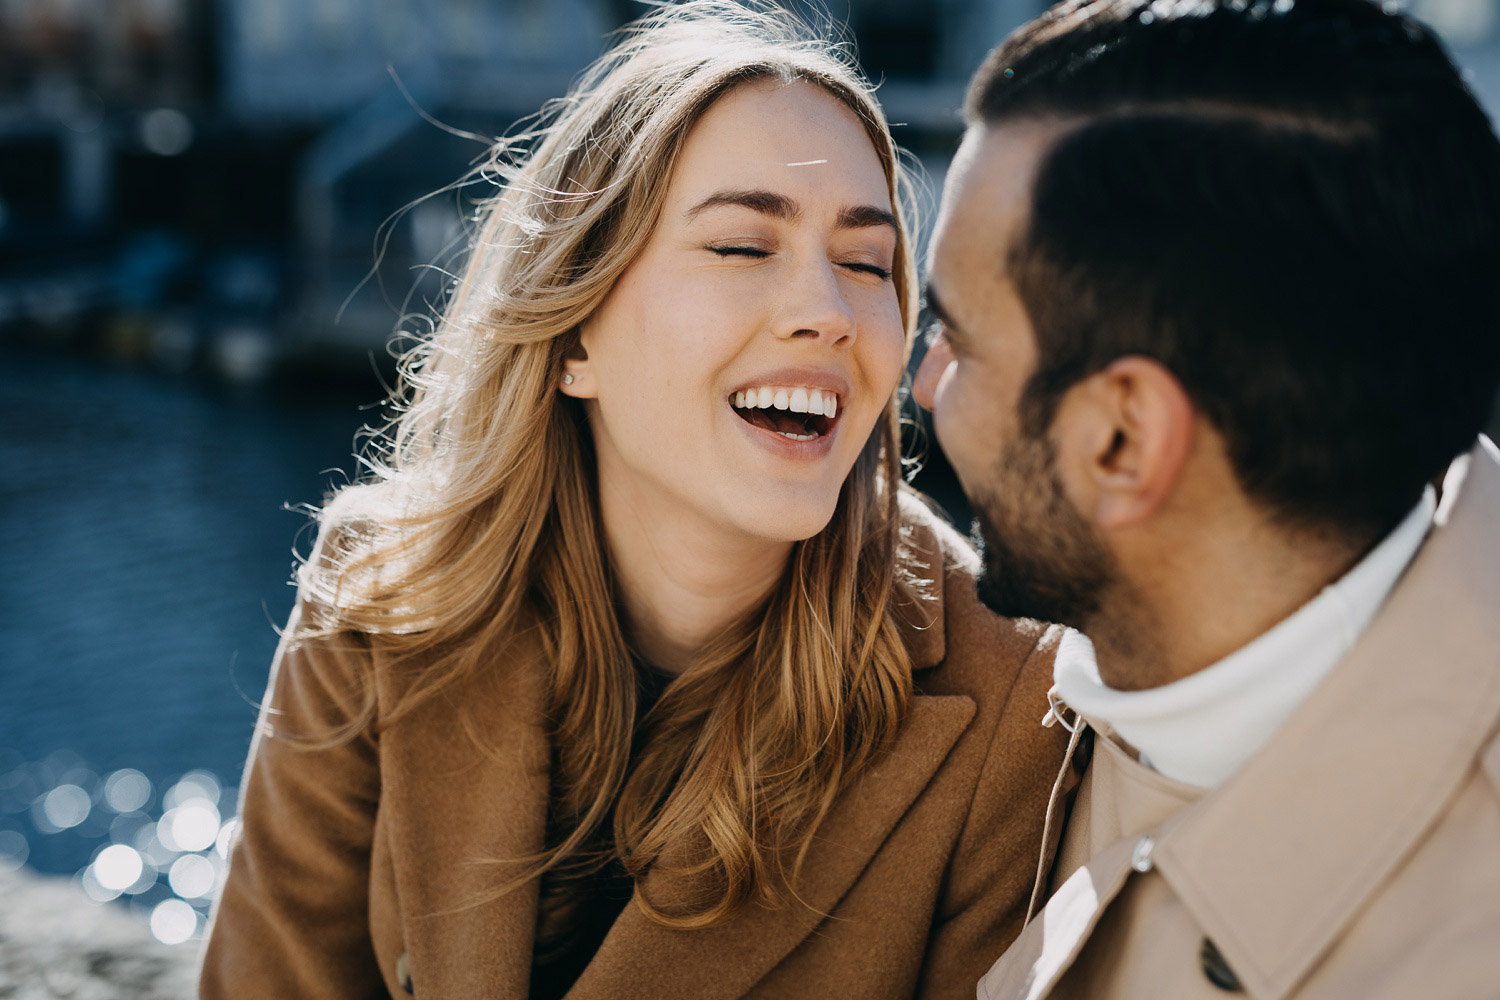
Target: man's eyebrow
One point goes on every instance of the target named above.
(779, 206)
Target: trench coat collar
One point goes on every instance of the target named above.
(1281, 859)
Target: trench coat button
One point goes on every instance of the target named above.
(403, 973)
(1217, 970)
(1140, 858)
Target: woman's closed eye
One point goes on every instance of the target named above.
(883, 273)
(760, 253)
(739, 250)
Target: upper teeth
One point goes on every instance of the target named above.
(798, 399)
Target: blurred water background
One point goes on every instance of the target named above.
(191, 197)
(146, 546)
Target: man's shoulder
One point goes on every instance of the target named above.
(1447, 890)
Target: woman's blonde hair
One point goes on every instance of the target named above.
(479, 521)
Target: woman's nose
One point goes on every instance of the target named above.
(814, 308)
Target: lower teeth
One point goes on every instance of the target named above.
(797, 437)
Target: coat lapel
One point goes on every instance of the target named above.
(642, 959)
(449, 806)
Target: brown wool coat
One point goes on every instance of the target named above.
(351, 861)
(1356, 857)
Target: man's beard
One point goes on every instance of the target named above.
(1041, 559)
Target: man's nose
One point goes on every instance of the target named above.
(930, 372)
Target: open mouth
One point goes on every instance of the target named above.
(795, 412)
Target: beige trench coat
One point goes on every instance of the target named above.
(353, 865)
(1356, 856)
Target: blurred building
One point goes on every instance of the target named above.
(221, 182)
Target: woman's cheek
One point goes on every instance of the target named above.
(891, 337)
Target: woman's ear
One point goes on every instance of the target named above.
(577, 379)
(1131, 433)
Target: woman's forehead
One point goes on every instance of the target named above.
(793, 137)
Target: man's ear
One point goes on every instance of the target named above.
(577, 379)
(1128, 430)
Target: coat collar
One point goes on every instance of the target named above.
(1275, 864)
(1279, 861)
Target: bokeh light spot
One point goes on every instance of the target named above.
(193, 785)
(118, 867)
(88, 880)
(192, 876)
(192, 826)
(13, 850)
(127, 790)
(66, 806)
(173, 921)
(166, 131)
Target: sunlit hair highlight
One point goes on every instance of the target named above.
(478, 523)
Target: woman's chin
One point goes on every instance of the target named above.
(791, 522)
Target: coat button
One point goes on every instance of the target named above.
(403, 973)
(1140, 858)
(1217, 970)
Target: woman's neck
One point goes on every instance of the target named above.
(682, 582)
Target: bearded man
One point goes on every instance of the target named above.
(1217, 292)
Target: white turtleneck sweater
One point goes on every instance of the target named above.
(1200, 729)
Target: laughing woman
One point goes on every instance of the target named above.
(631, 671)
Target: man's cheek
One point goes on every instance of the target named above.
(954, 437)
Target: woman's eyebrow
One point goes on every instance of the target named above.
(770, 203)
(865, 216)
(779, 206)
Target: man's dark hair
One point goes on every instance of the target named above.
(1292, 205)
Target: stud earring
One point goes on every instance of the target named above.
(567, 379)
